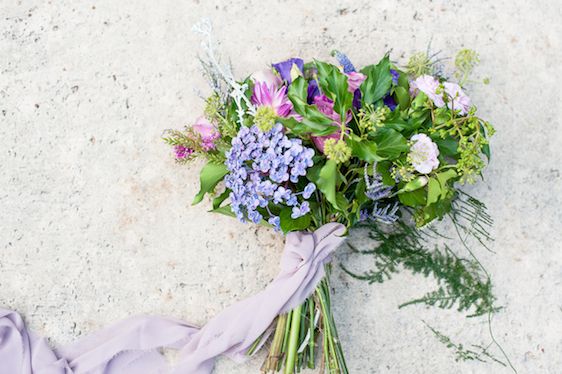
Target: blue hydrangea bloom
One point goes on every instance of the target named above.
(262, 168)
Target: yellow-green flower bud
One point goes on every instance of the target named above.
(337, 150)
(265, 118)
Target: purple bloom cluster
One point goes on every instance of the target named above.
(261, 165)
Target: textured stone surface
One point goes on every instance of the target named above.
(96, 223)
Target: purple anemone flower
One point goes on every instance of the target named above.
(312, 91)
(389, 102)
(284, 68)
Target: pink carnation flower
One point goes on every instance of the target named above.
(423, 154)
(458, 100)
(429, 86)
(354, 80)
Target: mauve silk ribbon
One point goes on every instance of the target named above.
(131, 346)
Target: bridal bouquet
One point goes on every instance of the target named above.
(306, 146)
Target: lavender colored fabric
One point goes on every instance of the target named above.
(131, 346)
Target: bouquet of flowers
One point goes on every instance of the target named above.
(303, 144)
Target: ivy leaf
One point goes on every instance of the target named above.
(364, 150)
(291, 224)
(390, 143)
(210, 176)
(378, 82)
(447, 146)
(443, 178)
(326, 182)
(334, 84)
(403, 97)
(433, 191)
(413, 198)
(395, 122)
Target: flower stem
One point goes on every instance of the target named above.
(275, 352)
(293, 340)
(311, 329)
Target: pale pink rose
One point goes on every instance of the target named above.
(268, 77)
(429, 86)
(458, 100)
(354, 80)
(423, 154)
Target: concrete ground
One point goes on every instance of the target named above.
(96, 222)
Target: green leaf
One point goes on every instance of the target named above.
(486, 151)
(414, 185)
(433, 191)
(443, 178)
(413, 198)
(447, 146)
(308, 126)
(403, 97)
(404, 80)
(289, 224)
(210, 176)
(326, 182)
(384, 169)
(334, 85)
(378, 82)
(395, 121)
(364, 149)
(390, 143)
(217, 201)
(313, 120)
(224, 210)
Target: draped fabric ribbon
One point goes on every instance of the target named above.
(131, 346)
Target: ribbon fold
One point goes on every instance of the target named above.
(131, 346)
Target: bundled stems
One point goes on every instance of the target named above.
(298, 334)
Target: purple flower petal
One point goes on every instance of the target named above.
(284, 68)
(312, 91)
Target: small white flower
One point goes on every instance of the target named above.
(423, 154)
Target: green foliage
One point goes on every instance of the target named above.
(460, 281)
(334, 85)
(420, 63)
(290, 224)
(363, 150)
(210, 176)
(313, 120)
(390, 143)
(471, 217)
(476, 353)
(465, 62)
(378, 82)
(327, 181)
